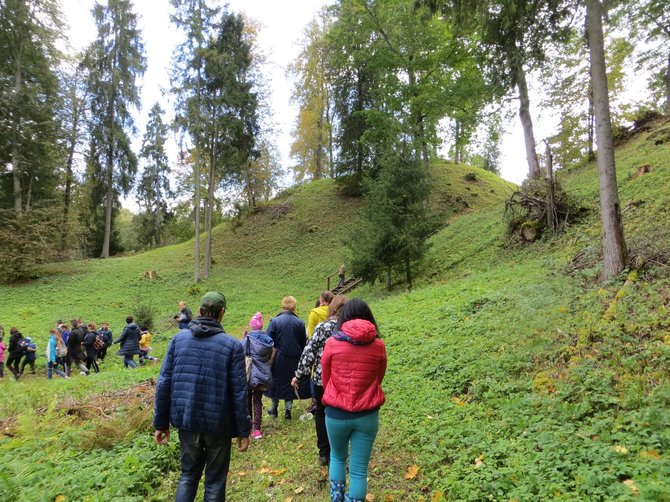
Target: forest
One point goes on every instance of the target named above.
(381, 89)
(527, 326)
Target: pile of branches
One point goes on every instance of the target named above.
(107, 404)
(539, 206)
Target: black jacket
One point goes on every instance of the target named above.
(74, 343)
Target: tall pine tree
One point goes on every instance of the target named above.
(114, 60)
(28, 94)
(154, 186)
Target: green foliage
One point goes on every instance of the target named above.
(29, 239)
(29, 97)
(508, 378)
(396, 221)
(114, 62)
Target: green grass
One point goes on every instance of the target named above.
(514, 373)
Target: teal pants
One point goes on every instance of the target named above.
(360, 434)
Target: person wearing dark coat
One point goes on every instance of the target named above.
(74, 350)
(15, 351)
(202, 391)
(91, 352)
(130, 343)
(288, 332)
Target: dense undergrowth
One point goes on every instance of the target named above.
(514, 372)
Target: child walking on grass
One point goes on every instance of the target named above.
(52, 354)
(259, 347)
(145, 347)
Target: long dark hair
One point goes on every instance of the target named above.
(355, 309)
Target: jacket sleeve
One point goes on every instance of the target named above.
(239, 393)
(325, 363)
(164, 392)
(306, 359)
(51, 350)
(123, 336)
(382, 365)
(311, 323)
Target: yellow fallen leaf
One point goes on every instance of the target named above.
(479, 461)
(278, 472)
(620, 449)
(263, 470)
(631, 486)
(299, 490)
(438, 496)
(288, 499)
(241, 474)
(301, 446)
(60, 498)
(412, 471)
(458, 401)
(650, 454)
(429, 417)
(389, 498)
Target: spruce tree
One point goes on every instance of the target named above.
(114, 60)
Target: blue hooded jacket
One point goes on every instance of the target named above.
(202, 386)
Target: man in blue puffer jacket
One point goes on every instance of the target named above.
(202, 391)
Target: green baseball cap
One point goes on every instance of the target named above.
(213, 301)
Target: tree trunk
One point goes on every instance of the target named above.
(318, 170)
(196, 172)
(210, 205)
(667, 88)
(16, 153)
(614, 246)
(419, 128)
(68, 173)
(196, 251)
(527, 123)
(591, 127)
(329, 121)
(552, 220)
(108, 206)
(457, 141)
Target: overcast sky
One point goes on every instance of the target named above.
(282, 25)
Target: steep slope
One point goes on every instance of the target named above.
(286, 247)
(514, 374)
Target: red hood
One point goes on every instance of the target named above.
(360, 330)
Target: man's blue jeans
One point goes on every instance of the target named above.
(199, 451)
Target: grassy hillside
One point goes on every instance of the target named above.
(514, 374)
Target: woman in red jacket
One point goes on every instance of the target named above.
(353, 364)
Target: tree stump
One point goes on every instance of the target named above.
(530, 231)
(151, 275)
(643, 169)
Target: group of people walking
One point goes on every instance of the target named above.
(211, 385)
(79, 345)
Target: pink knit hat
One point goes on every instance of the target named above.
(256, 322)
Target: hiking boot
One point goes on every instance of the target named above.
(272, 413)
(324, 460)
(287, 415)
(257, 434)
